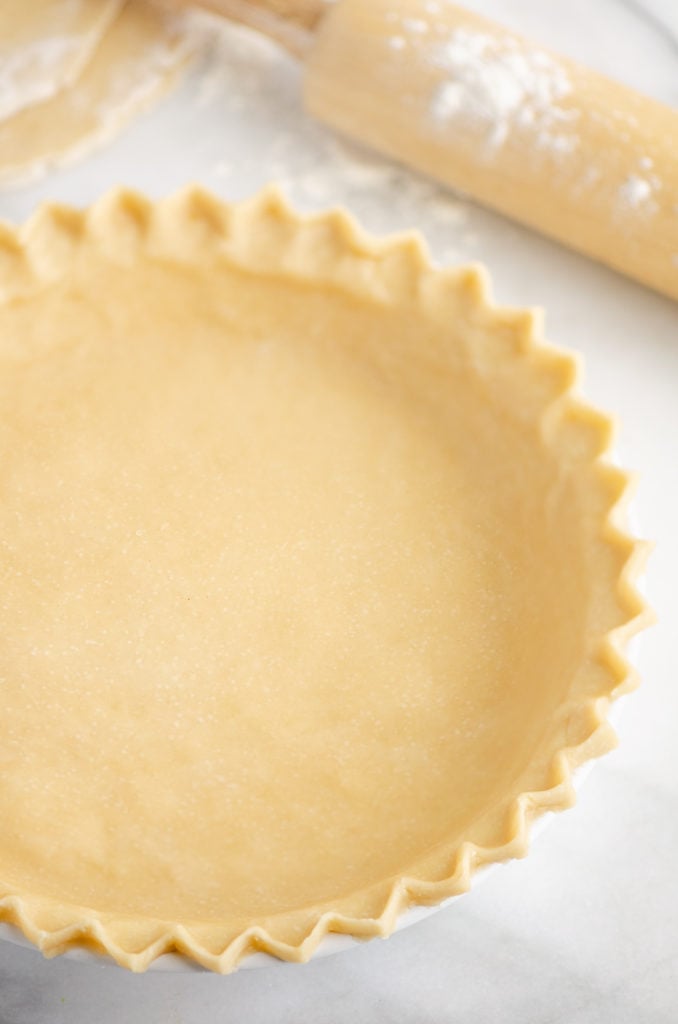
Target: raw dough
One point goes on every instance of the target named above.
(305, 579)
(45, 44)
(138, 57)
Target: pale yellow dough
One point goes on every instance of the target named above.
(304, 581)
(45, 44)
(136, 60)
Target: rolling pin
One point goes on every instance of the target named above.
(545, 141)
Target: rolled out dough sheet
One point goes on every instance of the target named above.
(45, 44)
(138, 57)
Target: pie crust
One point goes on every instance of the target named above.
(315, 579)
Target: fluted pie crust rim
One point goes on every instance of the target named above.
(266, 237)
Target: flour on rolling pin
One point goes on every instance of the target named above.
(551, 144)
(497, 84)
(493, 84)
(636, 192)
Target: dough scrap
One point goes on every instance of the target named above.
(137, 59)
(45, 45)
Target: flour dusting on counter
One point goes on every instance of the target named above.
(244, 74)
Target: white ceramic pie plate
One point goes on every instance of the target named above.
(331, 943)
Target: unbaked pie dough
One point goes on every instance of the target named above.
(309, 580)
(136, 59)
(45, 44)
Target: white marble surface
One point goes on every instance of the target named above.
(584, 931)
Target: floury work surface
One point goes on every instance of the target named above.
(585, 930)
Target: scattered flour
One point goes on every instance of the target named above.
(635, 190)
(639, 190)
(638, 193)
(493, 90)
(416, 25)
(256, 89)
(492, 87)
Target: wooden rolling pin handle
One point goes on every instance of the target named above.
(305, 13)
(291, 23)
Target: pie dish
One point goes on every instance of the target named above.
(316, 581)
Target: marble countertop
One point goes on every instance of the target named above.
(585, 931)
